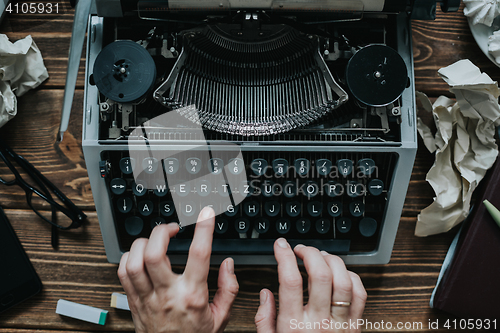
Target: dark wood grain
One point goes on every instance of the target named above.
(79, 271)
(440, 43)
(52, 35)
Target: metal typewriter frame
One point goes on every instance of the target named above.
(406, 149)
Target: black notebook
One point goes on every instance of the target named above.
(470, 283)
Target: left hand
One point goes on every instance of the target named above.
(162, 301)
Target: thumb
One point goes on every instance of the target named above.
(225, 295)
(265, 319)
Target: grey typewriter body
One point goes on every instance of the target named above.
(335, 172)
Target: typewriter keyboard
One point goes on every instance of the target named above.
(331, 200)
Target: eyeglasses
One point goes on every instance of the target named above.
(37, 196)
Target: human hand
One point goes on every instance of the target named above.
(162, 301)
(329, 282)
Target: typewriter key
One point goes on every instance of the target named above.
(367, 166)
(230, 210)
(343, 225)
(160, 189)
(314, 208)
(251, 208)
(124, 205)
(215, 166)
(145, 207)
(167, 208)
(150, 165)
(283, 226)
(303, 225)
(280, 167)
(272, 208)
(259, 166)
(193, 165)
(203, 188)
(324, 166)
(302, 166)
(139, 187)
(376, 187)
(221, 226)
(323, 226)
(289, 189)
(367, 226)
(345, 167)
(335, 208)
(134, 225)
(356, 208)
(293, 208)
(118, 186)
(171, 166)
(261, 225)
(242, 225)
(157, 221)
(127, 165)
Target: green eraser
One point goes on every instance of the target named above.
(494, 212)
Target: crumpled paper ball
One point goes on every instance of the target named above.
(494, 45)
(464, 144)
(482, 11)
(21, 69)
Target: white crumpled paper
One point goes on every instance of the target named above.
(494, 45)
(482, 11)
(21, 69)
(464, 144)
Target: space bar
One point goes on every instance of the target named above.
(260, 246)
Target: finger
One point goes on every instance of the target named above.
(124, 279)
(290, 290)
(136, 270)
(198, 263)
(226, 294)
(265, 319)
(320, 280)
(342, 284)
(155, 255)
(359, 297)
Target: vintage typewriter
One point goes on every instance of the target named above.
(291, 119)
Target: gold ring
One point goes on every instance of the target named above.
(341, 304)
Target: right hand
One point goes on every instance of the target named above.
(329, 281)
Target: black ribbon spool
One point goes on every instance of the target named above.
(124, 71)
(376, 75)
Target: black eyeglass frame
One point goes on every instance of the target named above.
(71, 210)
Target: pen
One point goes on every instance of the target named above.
(494, 212)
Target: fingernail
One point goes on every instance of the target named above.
(206, 213)
(262, 297)
(230, 266)
(282, 243)
(299, 246)
(324, 253)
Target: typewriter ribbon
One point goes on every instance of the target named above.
(376, 75)
(124, 71)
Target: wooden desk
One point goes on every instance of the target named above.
(79, 271)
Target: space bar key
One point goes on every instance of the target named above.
(261, 246)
